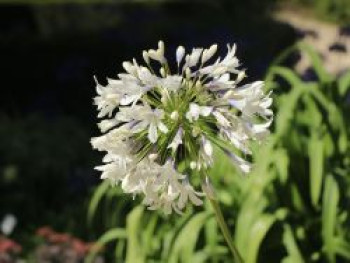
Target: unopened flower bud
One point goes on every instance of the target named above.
(180, 52)
(162, 72)
(188, 73)
(193, 165)
(145, 57)
(161, 47)
(174, 115)
(208, 53)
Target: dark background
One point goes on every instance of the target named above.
(49, 55)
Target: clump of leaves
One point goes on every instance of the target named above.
(293, 208)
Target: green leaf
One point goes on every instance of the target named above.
(316, 158)
(344, 84)
(251, 210)
(95, 200)
(257, 234)
(316, 62)
(211, 237)
(294, 254)
(289, 75)
(342, 247)
(148, 233)
(183, 249)
(329, 216)
(282, 164)
(286, 113)
(135, 252)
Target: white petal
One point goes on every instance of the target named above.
(152, 133)
(261, 127)
(238, 104)
(208, 148)
(182, 200)
(242, 164)
(162, 127)
(194, 112)
(105, 125)
(194, 199)
(126, 100)
(221, 119)
(205, 110)
(267, 102)
(177, 140)
(130, 68)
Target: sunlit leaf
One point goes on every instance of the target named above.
(329, 215)
(294, 254)
(344, 84)
(185, 243)
(135, 252)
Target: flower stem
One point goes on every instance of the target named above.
(225, 231)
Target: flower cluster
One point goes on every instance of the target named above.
(160, 124)
(62, 247)
(9, 250)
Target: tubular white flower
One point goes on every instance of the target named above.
(155, 121)
(188, 193)
(145, 57)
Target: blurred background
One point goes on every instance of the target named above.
(53, 207)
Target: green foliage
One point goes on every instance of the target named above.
(293, 208)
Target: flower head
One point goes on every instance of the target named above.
(160, 128)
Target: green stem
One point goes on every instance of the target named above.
(225, 231)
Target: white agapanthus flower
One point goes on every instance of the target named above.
(159, 128)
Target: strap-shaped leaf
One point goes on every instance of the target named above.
(183, 249)
(316, 158)
(294, 254)
(344, 84)
(96, 198)
(135, 252)
(329, 216)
